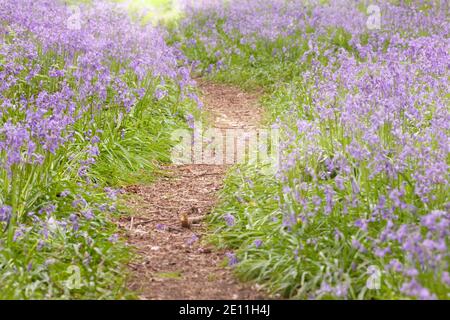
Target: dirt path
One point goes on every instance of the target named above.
(176, 263)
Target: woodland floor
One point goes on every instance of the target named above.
(176, 262)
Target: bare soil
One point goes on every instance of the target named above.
(168, 227)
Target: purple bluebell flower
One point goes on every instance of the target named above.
(193, 239)
(232, 259)
(114, 238)
(229, 219)
(258, 243)
(5, 213)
